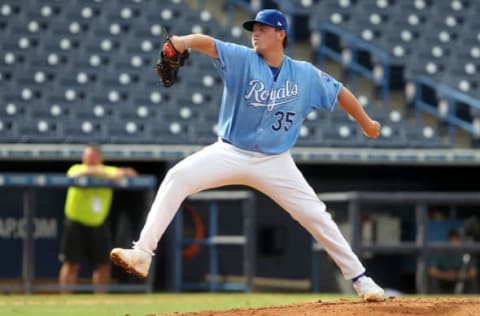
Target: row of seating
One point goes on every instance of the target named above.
(162, 131)
(165, 131)
(439, 39)
(85, 72)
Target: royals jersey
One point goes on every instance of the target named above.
(262, 113)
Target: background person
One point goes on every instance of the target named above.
(449, 269)
(86, 237)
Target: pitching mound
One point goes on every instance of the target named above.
(390, 307)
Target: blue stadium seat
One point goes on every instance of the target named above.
(195, 22)
(336, 12)
(421, 63)
(462, 73)
(371, 19)
(13, 107)
(342, 135)
(165, 14)
(42, 11)
(424, 137)
(85, 131)
(40, 131)
(8, 130)
(62, 44)
(459, 7)
(127, 132)
(72, 29)
(399, 44)
(10, 12)
(205, 133)
(233, 34)
(171, 132)
(391, 136)
(311, 134)
(95, 111)
(50, 62)
(419, 7)
(97, 59)
(142, 112)
(50, 111)
(84, 11)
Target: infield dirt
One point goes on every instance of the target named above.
(390, 307)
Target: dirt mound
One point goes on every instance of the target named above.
(391, 307)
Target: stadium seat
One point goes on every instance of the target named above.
(40, 131)
(171, 132)
(127, 132)
(233, 34)
(311, 134)
(424, 137)
(337, 12)
(399, 43)
(391, 136)
(50, 62)
(422, 63)
(84, 131)
(8, 131)
(97, 59)
(195, 22)
(462, 76)
(166, 14)
(418, 7)
(205, 133)
(11, 10)
(342, 135)
(13, 107)
(72, 29)
(95, 111)
(83, 11)
(371, 18)
(50, 111)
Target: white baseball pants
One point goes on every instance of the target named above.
(276, 176)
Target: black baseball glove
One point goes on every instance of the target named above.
(168, 63)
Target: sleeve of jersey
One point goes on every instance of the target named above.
(231, 57)
(325, 90)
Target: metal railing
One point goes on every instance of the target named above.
(355, 68)
(213, 239)
(452, 97)
(31, 185)
(421, 247)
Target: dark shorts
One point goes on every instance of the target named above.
(83, 243)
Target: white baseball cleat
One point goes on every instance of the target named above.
(368, 290)
(134, 261)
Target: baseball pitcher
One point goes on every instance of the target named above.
(266, 97)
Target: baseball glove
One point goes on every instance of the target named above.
(168, 63)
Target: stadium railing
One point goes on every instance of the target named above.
(31, 185)
(215, 239)
(422, 246)
(354, 66)
(453, 114)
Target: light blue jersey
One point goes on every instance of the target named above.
(261, 114)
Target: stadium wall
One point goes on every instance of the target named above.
(280, 240)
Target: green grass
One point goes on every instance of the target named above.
(142, 304)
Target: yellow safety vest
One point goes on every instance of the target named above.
(89, 206)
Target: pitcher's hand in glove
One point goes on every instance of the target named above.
(169, 61)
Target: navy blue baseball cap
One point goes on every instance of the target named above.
(270, 17)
